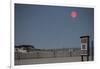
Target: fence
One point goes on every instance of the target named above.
(50, 53)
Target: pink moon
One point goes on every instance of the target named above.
(73, 14)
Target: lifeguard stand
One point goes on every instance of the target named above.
(84, 47)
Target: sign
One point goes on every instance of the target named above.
(84, 47)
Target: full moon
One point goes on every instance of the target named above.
(73, 14)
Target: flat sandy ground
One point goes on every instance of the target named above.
(49, 60)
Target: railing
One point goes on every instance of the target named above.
(50, 53)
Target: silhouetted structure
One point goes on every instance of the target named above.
(85, 47)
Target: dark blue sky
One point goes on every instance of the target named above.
(52, 26)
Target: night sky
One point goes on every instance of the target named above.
(52, 26)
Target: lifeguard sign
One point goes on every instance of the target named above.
(84, 47)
